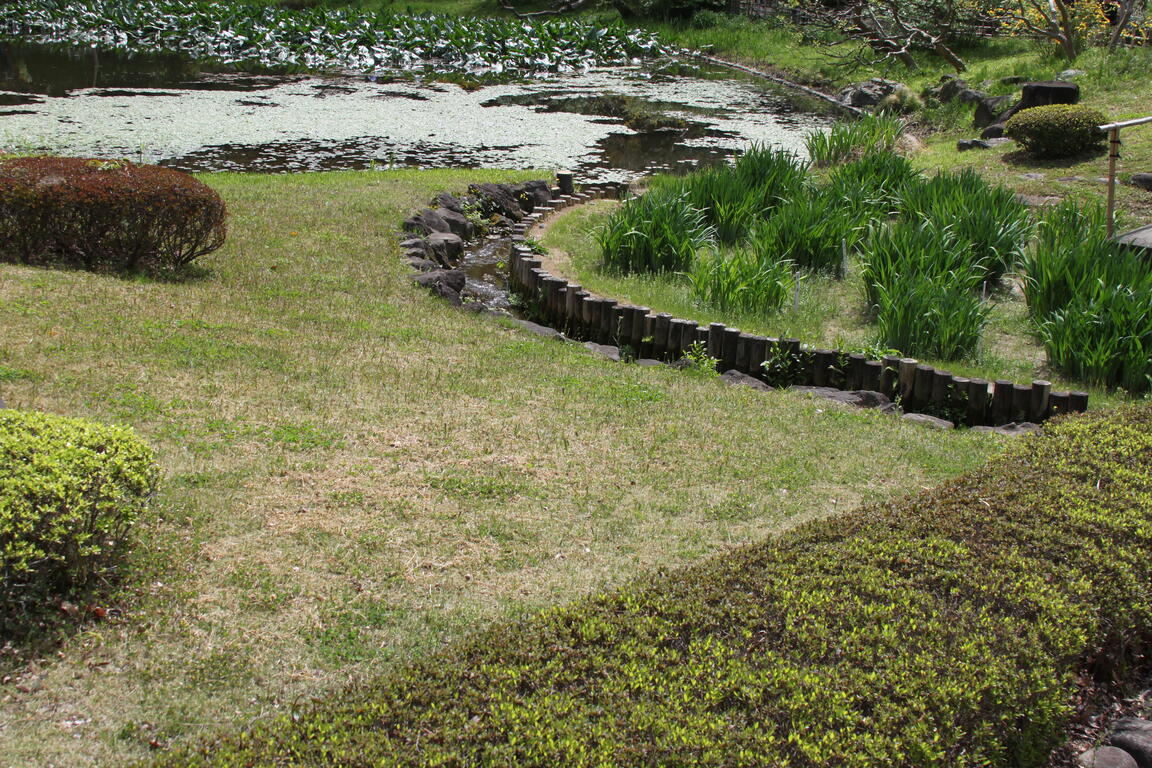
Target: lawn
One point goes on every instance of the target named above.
(355, 473)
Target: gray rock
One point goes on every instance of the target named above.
(458, 223)
(498, 198)
(1011, 429)
(1071, 74)
(997, 142)
(1042, 93)
(451, 202)
(963, 145)
(534, 193)
(606, 351)
(453, 278)
(425, 222)
(1036, 176)
(737, 379)
(1142, 180)
(1106, 757)
(647, 362)
(414, 244)
(928, 421)
(539, 330)
(867, 94)
(1013, 80)
(422, 265)
(861, 398)
(991, 110)
(445, 247)
(994, 131)
(1134, 736)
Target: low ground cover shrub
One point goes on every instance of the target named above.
(945, 629)
(70, 492)
(105, 215)
(1057, 130)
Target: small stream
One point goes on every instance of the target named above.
(167, 110)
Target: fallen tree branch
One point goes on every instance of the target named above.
(856, 111)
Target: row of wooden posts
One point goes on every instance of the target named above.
(578, 314)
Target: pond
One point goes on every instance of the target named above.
(164, 109)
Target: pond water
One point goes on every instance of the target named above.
(166, 110)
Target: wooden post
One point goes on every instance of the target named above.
(660, 338)
(889, 375)
(675, 338)
(1113, 156)
(1001, 410)
(977, 402)
(607, 321)
(941, 388)
(590, 318)
(688, 335)
(757, 355)
(716, 340)
(743, 348)
(1078, 401)
(855, 370)
(958, 401)
(565, 180)
(572, 301)
(870, 379)
(637, 333)
(1038, 408)
(1021, 402)
(823, 361)
(922, 386)
(907, 380)
(646, 346)
(1059, 403)
(728, 359)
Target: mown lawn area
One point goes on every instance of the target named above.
(355, 473)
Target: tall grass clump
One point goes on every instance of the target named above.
(930, 317)
(742, 282)
(814, 230)
(873, 185)
(989, 218)
(658, 232)
(1103, 337)
(905, 250)
(774, 175)
(854, 138)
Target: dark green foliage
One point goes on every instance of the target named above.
(658, 232)
(847, 139)
(874, 184)
(1057, 130)
(944, 630)
(813, 230)
(70, 492)
(742, 282)
(993, 222)
(105, 215)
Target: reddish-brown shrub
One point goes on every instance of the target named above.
(105, 215)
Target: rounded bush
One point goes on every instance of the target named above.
(1057, 130)
(70, 492)
(105, 215)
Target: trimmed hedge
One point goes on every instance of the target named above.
(105, 215)
(1057, 130)
(943, 629)
(70, 491)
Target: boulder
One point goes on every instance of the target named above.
(738, 379)
(928, 421)
(540, 330)
(991, 110)
(451, 202)
(498, 198)
(647, 362)
(414, 244)
(1011, 429)
(534, 193)
(861, 398)
(425, 222)
(1106, 757)
(453, 278)
(445, 248)
(606, 351)
(963, 145)
(1071, 74)
(868, 93)
(422, 265)
(1042, 93)
(994, 131)
(458, 223)
(1142, 180)
(1134, 736)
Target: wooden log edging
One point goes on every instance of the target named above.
(572, 311)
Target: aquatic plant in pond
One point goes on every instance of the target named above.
(326, 38)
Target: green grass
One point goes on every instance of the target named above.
(355, 473)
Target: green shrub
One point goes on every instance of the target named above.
(742, 282)
(658, 232)
(941, 630)
(105, 215)
(1057, 130)
(993, 222)
(70, 492)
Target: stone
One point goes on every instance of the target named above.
(1033, 176)
(458, 223)
(453, 278)
(1071, 74)
(606, 351)
(928, 421)
(868, 93)
(647, 362)
(1013, 80)
(445, 247)
(1142, 180)
(451, 202)
(861, 398)
(737, 379)
(498, 198)
(535, 193)
(540, 330)
(991, 110)
(1106, 757)
(1042, 93)
(414, 244)
(425, 222)
(1011, 429)
(994, 131)
(422, 265)
(963, 145)
(1134, 736)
